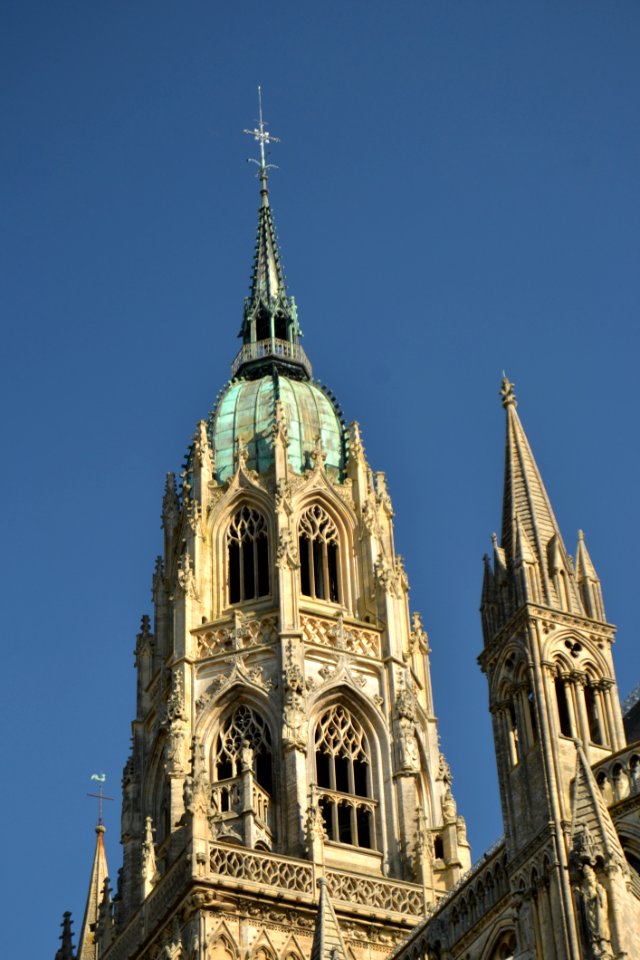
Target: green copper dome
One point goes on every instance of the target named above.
(246, 411)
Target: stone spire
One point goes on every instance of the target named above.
(327, 939)
(87, 945)
(66, 939)
(530, 532)
(588, 581)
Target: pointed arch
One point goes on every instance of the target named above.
(325, 546)
(242, 535)
(221, 944)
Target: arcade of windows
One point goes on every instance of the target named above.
(343, 775)
(248, 555)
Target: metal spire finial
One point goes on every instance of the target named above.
(264, 138)
(99, 796)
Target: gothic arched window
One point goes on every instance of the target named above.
(343, 775)
(318, 543)
(248, 553)
(594, 720)
(244, 735)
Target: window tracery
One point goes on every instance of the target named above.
(244, 738)
(248, 555)
(343, 774)
(318, 549)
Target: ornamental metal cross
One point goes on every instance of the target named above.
(263, 137)
(99, 796)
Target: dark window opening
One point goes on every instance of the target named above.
(248, 556)
(345, 833)
(591, 703)
(438, 848)
(360, 778)
(319, 560)
(323, 776)
(263, 326)
(532, 715)
(564, 717)
(363, 823)
(234, 573)
(263, 771)
(341, 766)
(281, 327)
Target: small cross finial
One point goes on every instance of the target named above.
(507, 392)
(99, 796)
(264, 138)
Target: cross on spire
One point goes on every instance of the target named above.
(264, 138)
(99, 796)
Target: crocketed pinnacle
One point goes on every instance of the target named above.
(529, 528)
(327, 939)
(87, 947)
(591, 820)
(65, 951)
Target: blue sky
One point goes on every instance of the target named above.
(457, 193)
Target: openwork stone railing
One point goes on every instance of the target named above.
(271, 348)
(385, 894)
(262, 868)
(618, 776)
(340, 635)
(233, 635)
(294, 876)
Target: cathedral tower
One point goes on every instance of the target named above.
(285, 748)
(556, 714)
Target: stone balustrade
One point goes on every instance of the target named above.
(618, 775)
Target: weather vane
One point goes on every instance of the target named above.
(99, 796)
(264, 138)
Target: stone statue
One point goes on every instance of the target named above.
(596, 914)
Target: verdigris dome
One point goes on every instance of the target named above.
(246, 412)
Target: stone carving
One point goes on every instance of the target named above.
(342, 670)
(174, 721)
(419, 641)
(402, 897)
(287, 553)
(409, 753)
(148, 866)
(261, 868)
(353, 639)
(170, 505)
(461, 830)
(197, 789)
(382, 494)
(202, 453)
(243, 674)
(186, 577)
(193, 512)
(241, 634)
(295, 730)
(129, 791)
(283, 495)
(314, 824)
(318, 455)
(391, 575)
(280, 430)
(449, 809)
(444, 770)
(595, 911)
(356, 447)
